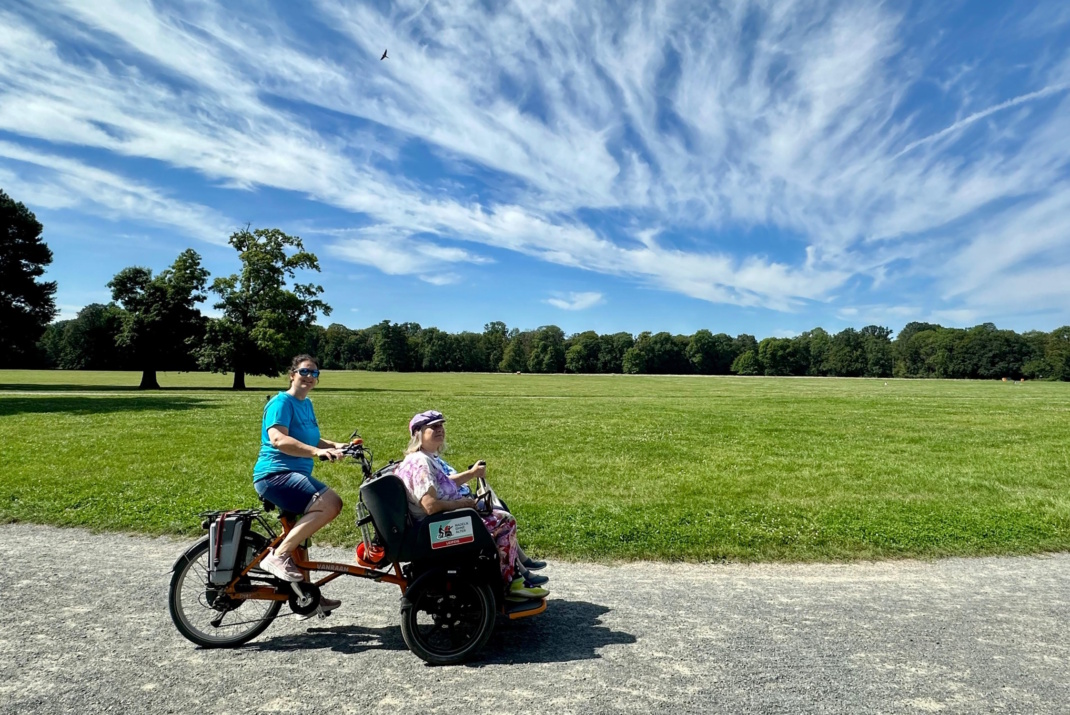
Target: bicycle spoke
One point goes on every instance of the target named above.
(195, 598)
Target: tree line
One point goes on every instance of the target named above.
(95, 338)
(153, 324)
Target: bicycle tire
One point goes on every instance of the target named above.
(178, 599)
(472, 610)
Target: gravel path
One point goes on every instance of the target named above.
(84, 628)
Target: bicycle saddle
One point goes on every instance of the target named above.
(272, 506)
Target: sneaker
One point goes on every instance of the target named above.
(533, 565)
(519, 599)
(326, 606)
(518, 588)
(283, 568)
(532, 580)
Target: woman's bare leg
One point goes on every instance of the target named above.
(324, 509)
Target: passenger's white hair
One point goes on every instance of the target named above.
(417, 443)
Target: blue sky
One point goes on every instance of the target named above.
(761, 167)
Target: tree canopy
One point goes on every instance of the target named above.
(159, 322)
(27, 304)
(265, 319)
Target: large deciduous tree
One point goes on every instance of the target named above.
(265, 320)
(391, 350)
(547, 350)
(87, 342)
(710, 354)
(583, 354)
(160, 320)
(27, 305)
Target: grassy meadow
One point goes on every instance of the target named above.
(594, 467)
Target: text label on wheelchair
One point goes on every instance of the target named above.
(452, 533)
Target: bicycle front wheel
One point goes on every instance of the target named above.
(203, 614)
(446, 620)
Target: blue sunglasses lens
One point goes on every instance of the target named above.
(305, 372)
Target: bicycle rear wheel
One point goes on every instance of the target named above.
(203, 614)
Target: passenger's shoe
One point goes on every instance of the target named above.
(533, 579)
(283, 568)
(532, 565)
(326, 606)
(518, 588)
(519, 599)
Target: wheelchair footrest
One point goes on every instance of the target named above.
(523, 609)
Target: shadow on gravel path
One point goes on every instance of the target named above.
(567, 631)
(348, 640)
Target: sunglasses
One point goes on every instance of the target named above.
(308, 372)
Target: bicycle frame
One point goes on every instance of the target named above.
(300, 557)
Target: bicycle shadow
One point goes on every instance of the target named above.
(566, 631)
(347, 639)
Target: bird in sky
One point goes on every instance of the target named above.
(383, 57)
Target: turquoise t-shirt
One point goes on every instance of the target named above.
(285, 410)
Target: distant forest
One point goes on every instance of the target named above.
(920, 350)
(153, 323)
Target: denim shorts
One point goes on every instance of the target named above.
(290, 491)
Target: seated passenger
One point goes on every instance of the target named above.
(431, 490)
(524, 563)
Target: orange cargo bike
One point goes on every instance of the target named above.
(446, 565)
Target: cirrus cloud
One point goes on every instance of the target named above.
(576, 301)
(777, 155)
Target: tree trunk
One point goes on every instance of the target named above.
(239, 380)
(148, 381)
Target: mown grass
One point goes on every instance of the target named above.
(607, 467)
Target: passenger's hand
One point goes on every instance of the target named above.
(466, 503)
(330, 455)
(480, 470)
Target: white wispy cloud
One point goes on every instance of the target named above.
(399, 254)
(705, 119)
(51, 181)
(576, 301)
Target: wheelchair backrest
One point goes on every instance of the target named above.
(388, 504)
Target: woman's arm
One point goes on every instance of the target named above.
(479, 470)
(328, 444)
(282, 441)
(433, 505)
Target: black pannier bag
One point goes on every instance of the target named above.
(225, 534)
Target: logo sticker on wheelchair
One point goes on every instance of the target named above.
(452, 533)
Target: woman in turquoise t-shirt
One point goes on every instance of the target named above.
(290, 443)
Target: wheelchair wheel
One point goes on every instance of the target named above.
(445, 619)
(203, 614)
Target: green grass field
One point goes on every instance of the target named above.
(606, 467)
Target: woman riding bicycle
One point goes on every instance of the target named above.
(290, 443)
(432, 490)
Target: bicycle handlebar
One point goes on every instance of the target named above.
(351, 450)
